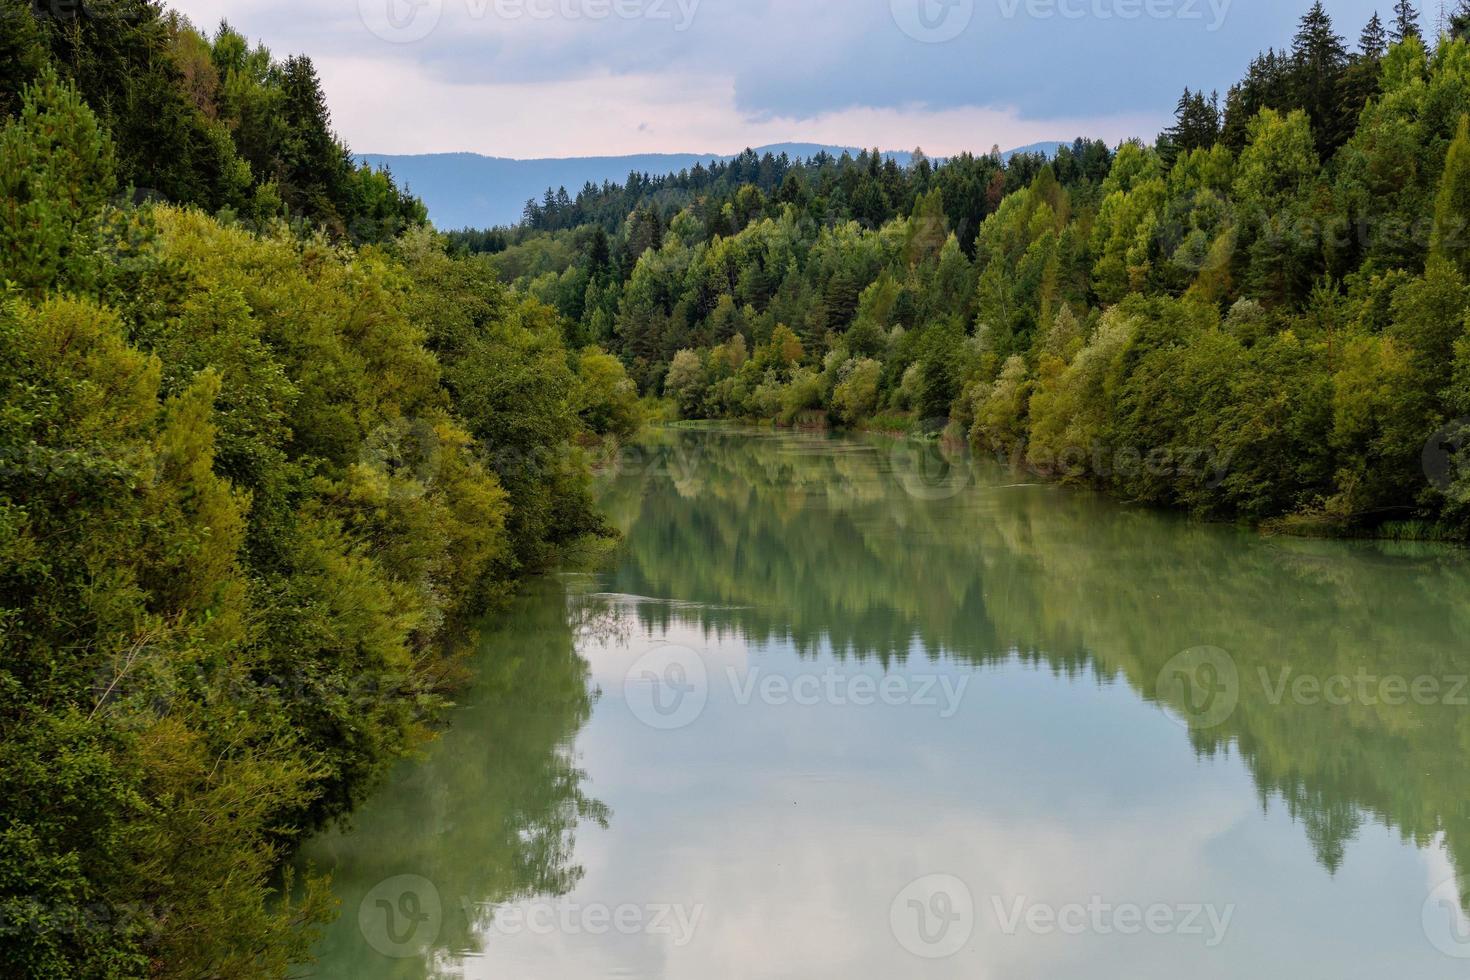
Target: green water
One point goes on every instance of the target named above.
(838, 708)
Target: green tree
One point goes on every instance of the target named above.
(1319, 58)
(1428, 316)
(607, 399)
(1459, 24)
(855, 396)
(940, 372)
(685, 383)
(1451, 236)
(56, 173)
(313, 164)
(1196, 124)
(22, 56)
(1378, 430)
(1405, 22)
(1373, 42)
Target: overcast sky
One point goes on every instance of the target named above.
(534, 78)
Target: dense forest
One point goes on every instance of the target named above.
(1262, 315)
(270, 445)
(267, 452)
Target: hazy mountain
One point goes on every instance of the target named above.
(467, 190)
(1049, 147)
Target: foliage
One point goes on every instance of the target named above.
(1258, 316)
(255, 488)
(200, 121)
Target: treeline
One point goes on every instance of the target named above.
(212, 122)
(585, 272)
(1261, 315)
(870, 187)
(256, 485)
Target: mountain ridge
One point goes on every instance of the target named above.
(463, 189)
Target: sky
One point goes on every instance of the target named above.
(558, 78)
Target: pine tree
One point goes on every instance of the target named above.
(1360, 80)
(1374, 40)
(22, 55)
(1196, 124)
(1459, 27)
(1267, 84)
(315, 165)
(1170, 144)
(599, 252)
(1319, 56)
(1406, 21)
(1316, 45)
(56, 172)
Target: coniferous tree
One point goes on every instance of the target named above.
(1209, 118)
(1360, 79)
(119, 54)
(314, 164)
(1405, 21)
(599, 253)
(645, 232)
(1373, 42)
(56, 171)
(1196, 124)
(1169, 144)
(1459, 25)
(22, 56)
(1319, 56)
(1267, 85)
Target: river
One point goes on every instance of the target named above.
(836, 708)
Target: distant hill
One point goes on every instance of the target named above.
(1049, 147)
(467, 190)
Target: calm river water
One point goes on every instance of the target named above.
(836, 710)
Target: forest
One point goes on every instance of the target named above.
(267, 454)
(1260, 316)
(271, 445)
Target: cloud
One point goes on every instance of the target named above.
(693, 113)
(529, 77)
(792, 828)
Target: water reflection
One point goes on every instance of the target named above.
(785, 539)
(488, 817)
(1313, 713)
